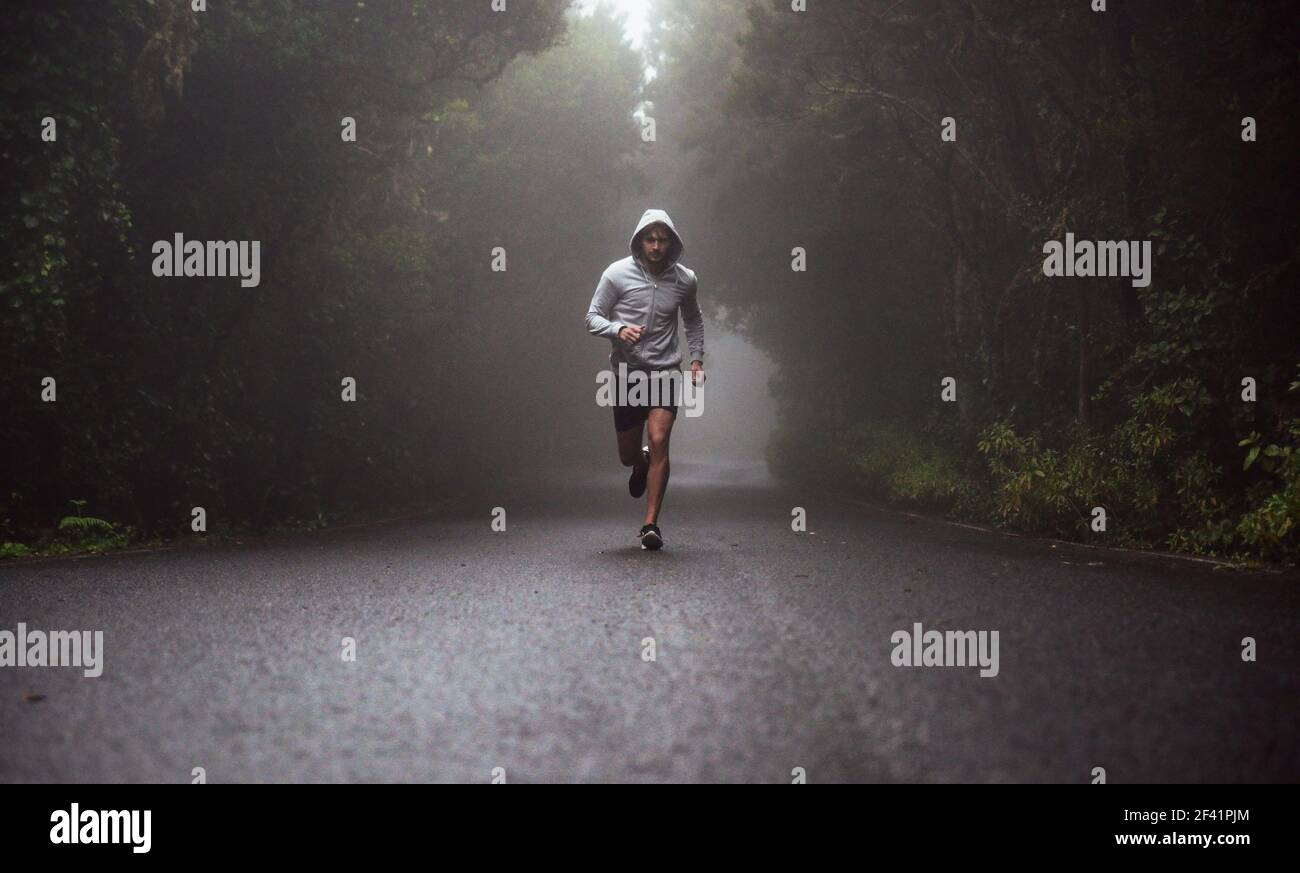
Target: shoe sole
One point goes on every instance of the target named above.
(652, 541)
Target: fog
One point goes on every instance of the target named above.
(433, 191)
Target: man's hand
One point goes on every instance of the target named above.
(631, 333)
(697, 373)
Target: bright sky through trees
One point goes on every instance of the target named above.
(632, 11)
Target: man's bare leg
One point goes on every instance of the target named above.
(660, 426)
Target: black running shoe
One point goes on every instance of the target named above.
(636, 484)
(651, 537)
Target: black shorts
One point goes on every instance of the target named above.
(634, 415)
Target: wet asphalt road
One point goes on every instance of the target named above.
(524, 649)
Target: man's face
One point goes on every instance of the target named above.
(655, 242)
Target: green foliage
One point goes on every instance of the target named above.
(1154, 489)
(1041, 488)
(1271, 526)
(878, 451)
(14, 550)
(1072, 392)
(86, 533)
(906, 468)
(1271, 523)
(81, 525)
(226, 126)
(934, 482)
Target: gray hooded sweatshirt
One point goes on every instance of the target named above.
(629, 294)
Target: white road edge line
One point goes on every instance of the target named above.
(991, 530)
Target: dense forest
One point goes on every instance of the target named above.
(867, 187)
(377, 254)
(824, 131)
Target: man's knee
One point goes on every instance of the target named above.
(658, 440)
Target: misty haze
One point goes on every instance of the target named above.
(992, 305)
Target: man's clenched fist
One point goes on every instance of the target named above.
(631, 333)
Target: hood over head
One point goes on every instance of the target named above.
(658, 216)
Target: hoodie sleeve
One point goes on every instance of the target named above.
(602, 303)
(693, 318)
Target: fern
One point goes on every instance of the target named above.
(84, 524)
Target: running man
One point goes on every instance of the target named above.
(635, 306)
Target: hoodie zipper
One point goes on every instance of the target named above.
(654, 293)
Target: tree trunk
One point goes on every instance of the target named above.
(1084, 414)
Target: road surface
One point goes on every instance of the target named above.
(525, 650)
